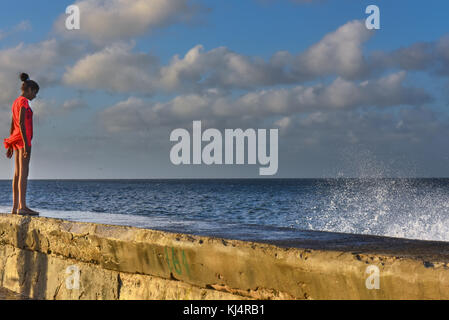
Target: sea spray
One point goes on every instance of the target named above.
(373, 203)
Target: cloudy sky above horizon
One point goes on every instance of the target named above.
(347, 101)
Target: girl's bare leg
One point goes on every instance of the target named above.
(24, 164)
(15, 183)
(23, 178)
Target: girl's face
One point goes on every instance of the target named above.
(30, 94)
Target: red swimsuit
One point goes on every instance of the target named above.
(15, 139)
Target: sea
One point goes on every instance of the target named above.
(250, 209)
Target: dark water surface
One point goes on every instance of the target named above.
(250, 208)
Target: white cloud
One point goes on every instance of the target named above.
(340, 94)
(43, 108)
(105, 21)
(417, 125)
(221, 108)
(196, 71)
(74, 104)
(338, 53)
(431, 57)
(283, 123)
(219, 67)
(131, 114)
(49, 107)
(114, 68)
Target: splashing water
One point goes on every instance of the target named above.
(416, 209)
(373, 204)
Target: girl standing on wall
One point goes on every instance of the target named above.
(19, 142)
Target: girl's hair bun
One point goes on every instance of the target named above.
(28, 83)
(24, 77)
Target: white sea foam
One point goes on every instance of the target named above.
(387, 208)
(373, 204)
(140, 221)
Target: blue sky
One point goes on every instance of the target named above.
(258, 27)
(108, 125)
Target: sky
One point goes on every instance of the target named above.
(347, 101)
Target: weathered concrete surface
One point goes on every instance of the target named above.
(6, 294)
(117, 262)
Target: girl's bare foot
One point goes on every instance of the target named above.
(26, 208)
(27, 212)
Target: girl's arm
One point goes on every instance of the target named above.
(10, 151)
(23, 129)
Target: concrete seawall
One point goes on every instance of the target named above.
(46, 258)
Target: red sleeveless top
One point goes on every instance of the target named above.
(15, 139)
